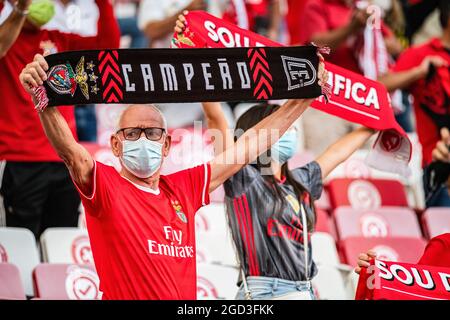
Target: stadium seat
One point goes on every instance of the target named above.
(324, 250)
(66, 245)
(401, 249)
(381, 222)
(324, 201)
(351, 283)
(366, 194)
(217, 195)
(436, 221)
(216, 247)
(329, 285)
(216, 282)
(18, 246)
(11, 287)
(324, 223)
(211, 219)
(66, 282)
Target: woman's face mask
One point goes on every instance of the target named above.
(40, 12)
(142, 157)
(285, 147)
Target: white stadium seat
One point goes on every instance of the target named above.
(66, 245)
(328, 284)
(213, 238)
(216, 282)
(18, 247)
(216, 248)
(324, 249)
(211, 219)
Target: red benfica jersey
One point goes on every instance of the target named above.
(22, 137)
(143, 241)
(431, 93)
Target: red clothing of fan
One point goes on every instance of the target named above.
(437, 252)
(253, 9)
(21, 135)
(324, 16)
(430, 94)
(293, 20)
(143, 241)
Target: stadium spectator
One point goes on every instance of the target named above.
(271, 208)
(141, 224)
(79, 17)
(263, 16)
(391, 12)
(157, 18)
(294, 20)
(437, 174)
(75, 16)
(332, 23)
(126, 11)
(36, 190)
(437, 254)
(265, 205)
(424, 71)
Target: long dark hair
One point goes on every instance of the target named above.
(246, 121)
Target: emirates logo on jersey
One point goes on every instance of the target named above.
(179, 210)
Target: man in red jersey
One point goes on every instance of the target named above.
(35, 187)
(141, 224)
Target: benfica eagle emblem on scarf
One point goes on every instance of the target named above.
(63, 80)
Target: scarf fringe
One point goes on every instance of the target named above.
(322, 50)
(326, 91)
(40, 94)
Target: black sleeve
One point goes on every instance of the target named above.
(310, 176)
(240, 181)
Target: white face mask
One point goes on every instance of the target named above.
(142, 157)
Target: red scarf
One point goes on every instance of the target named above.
(354, 97)
(385, 280)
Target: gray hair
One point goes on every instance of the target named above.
(149, 105)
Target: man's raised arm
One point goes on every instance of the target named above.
(76, 157)
(10, 29)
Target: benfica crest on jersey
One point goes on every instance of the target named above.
(178, 209)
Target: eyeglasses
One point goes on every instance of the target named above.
(133, 134)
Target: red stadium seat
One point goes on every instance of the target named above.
(366, 193)
(324, 201)
(401, 249)
(436, 221)
(382, 222)
(324, 223)
(66, 282)
(11, 287)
